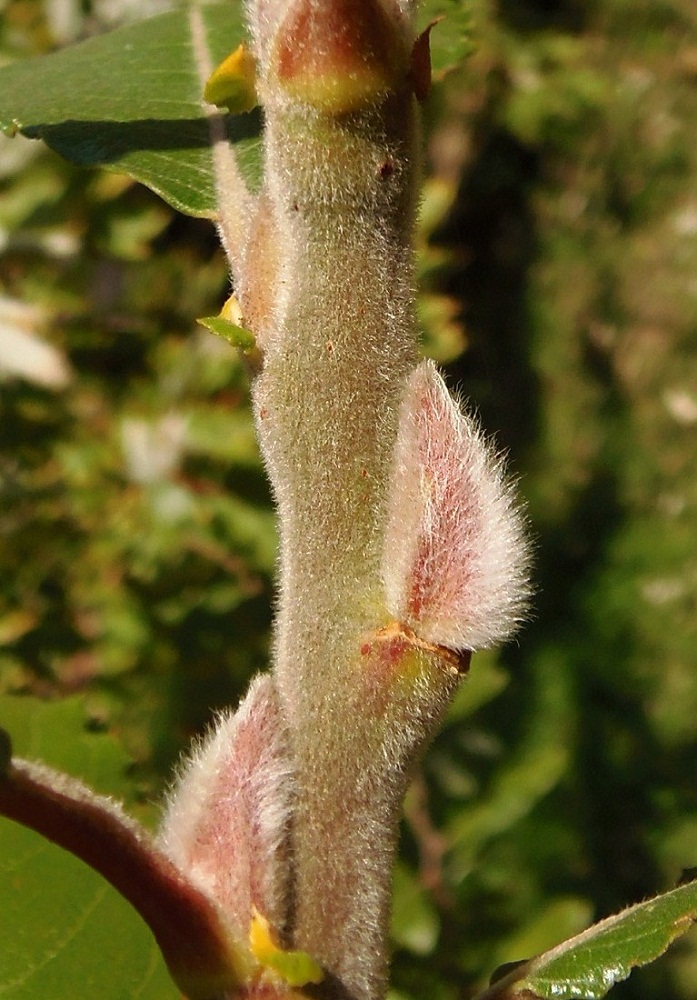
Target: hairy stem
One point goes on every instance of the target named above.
(343, 345)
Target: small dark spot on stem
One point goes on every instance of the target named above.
(386, 169)
(5, 752)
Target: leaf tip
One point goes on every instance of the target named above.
(420, 69)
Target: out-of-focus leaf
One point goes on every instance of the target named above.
(589, 965)
(530, 771)
(131, 101)
(560, 917)
(450, 39)
(415, 921)
(227, 435)
(440, 314)
(520, 786)
(23, 351)
(485, 680)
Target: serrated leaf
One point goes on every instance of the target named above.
(451, 39)
(131, 101)
(587, 966)
(63, 929)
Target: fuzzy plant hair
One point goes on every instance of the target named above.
(402, 549)
(401, 546)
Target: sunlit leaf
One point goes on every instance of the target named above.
(586, 967)
(59, 734)
(415, 922)
(131, 101)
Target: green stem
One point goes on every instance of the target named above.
(342, 191)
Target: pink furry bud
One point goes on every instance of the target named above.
(226, 825)
(455, 557)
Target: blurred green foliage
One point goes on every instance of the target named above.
(559, 256)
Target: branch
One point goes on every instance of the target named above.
(202, 959)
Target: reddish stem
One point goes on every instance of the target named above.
(186, 924)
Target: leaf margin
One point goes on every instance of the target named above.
(535, 979)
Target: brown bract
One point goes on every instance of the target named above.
(395, 638)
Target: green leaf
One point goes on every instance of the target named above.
(586, 967)
(234, 334)
(483, 684)
(451, 38)
(526, 776)
(56, 733)
(64, 931)
(415, 923)
(131, 101)
(551, 920)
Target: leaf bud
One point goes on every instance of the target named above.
(455, 556)
(227, 820)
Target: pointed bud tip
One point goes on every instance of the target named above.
(232, 804)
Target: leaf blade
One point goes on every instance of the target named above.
(59, 919)
(587, 966)
(131, 101)
(451, 38)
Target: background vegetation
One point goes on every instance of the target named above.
(558, 254)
